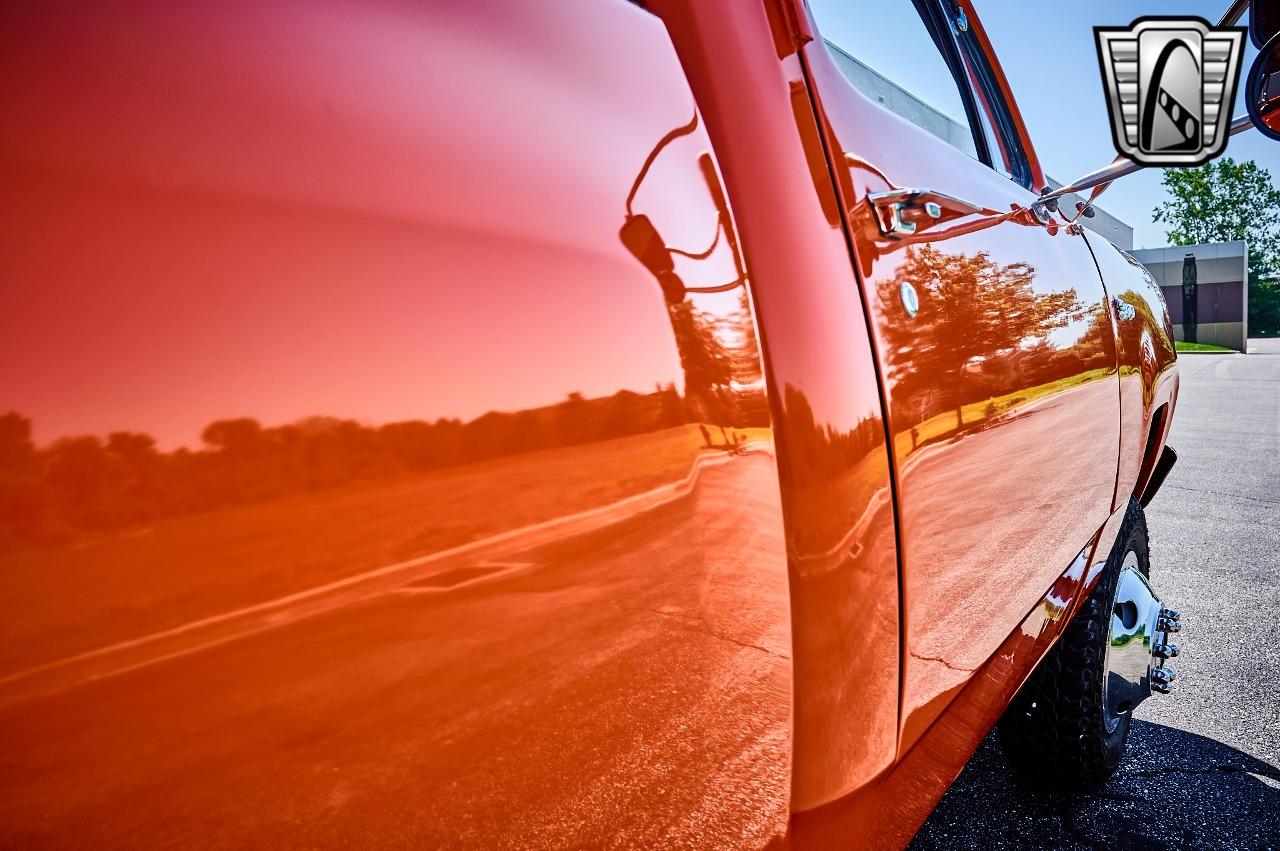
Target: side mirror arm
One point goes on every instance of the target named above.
(1117, 168)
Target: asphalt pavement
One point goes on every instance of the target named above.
(1203, 766)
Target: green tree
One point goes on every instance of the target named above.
(1227, 200)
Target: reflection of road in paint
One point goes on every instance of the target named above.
(656, 674)
(442, 570)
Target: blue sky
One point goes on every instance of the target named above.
(1048, 53)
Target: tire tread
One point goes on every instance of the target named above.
(1054, 732)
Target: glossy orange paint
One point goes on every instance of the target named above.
(1010, 360)
(492, 425)
(1148, 360)
(887, 813)
(831, 439)
(365, 484)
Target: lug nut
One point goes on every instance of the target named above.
(1171, 614)
(1163, 676)
(1166, 651)
(1163, 688)
(1168, 625)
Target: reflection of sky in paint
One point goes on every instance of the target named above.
(335, 242)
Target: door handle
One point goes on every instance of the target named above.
(900, 213)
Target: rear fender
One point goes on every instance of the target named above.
(1147, 365)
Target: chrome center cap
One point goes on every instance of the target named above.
(1137, 645)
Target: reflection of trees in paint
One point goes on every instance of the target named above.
(819, 452)
(705, 363)
(86, 485)
(982, 331)
(91, 485)
(721, 363)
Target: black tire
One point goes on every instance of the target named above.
(1055, 731)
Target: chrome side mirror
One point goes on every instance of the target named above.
(1264, 21)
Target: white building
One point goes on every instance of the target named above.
(1217, 311)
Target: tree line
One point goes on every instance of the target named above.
(85, 485)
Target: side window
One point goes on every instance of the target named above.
(885, 49)
(1003, 142)
(919, 60)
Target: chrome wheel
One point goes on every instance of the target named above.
(1137, 645)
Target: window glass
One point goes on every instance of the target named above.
(884, 48)
(1003, 142)
(986, 123)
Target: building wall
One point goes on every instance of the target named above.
(1222, 291)
(896, 99)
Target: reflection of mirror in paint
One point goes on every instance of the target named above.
(1262, 89)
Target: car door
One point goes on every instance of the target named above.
(991, 325)
(389, 460)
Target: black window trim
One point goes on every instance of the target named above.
(939, 27)
(966, 43)
(956, 49)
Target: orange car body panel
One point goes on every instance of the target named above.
(452, 561)
(837, 499)
(1148, 379)
(1009, 360)
(480, 424)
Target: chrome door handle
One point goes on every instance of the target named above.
(900, 212)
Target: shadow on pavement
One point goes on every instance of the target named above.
(1174, 790)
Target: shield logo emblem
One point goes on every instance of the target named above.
(1170, 83)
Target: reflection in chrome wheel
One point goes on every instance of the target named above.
(1137, 645)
